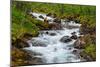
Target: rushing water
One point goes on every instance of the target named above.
(54, 50)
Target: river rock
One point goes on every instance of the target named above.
(57, 20)
(76, 51)
(20, 43)
(65, 39)
(38, 43)
(52, 34)
(49, 14)
(74, 36)
(41, 17)
(79, 43)
(55, 26)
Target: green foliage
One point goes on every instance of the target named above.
(88, 24)
(21, 24)
(91, 51)
(89, 46)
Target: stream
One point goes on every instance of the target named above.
(50, 48)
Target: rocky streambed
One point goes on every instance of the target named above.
(60, 44)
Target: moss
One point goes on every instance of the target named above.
(88, 24)
(90, 50)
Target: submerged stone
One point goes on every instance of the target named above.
(65, 39)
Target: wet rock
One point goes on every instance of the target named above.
(38, 43)
(76, 21)
(52, 34)
(21, 43)
(52, 15)
(73, 33)
(55, 26)
(34, 16)
(65, 39)
(46, 20)
(69, 48)
(49, 14)
(79, 43)
(57, 20)
(47, 32)
(74, 36)
(76, 52)
(41, 17)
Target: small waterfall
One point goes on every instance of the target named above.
(50, 47)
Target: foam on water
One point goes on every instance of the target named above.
(55, 51)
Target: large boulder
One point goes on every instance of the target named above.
(65, 39)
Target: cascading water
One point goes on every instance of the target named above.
(52, 49)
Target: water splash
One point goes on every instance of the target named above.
(55, 51)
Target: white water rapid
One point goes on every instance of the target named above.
(54, 51)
